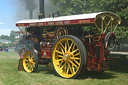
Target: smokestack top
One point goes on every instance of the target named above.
(42, 9)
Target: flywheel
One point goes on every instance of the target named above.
(60, 31)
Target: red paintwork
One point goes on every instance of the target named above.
(67, 22)
(46, 50)
(94, 64)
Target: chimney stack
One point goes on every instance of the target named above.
(42, 8)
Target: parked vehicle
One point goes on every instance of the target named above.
(71, 43)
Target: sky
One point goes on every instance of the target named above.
(15, 10)
(7, 17)
(10, 12)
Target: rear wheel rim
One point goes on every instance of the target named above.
(29, 62)
(66, 58)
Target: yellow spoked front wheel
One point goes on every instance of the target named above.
(68, 56)
(30, 61)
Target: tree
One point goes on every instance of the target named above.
(120, 7)
(12, 36)
(50, 8)
(6, 37)
(69, 7)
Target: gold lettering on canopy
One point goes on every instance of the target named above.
(84, 21)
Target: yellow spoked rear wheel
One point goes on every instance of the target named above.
(68, 56)
(30, 62)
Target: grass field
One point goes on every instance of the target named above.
(9, 75)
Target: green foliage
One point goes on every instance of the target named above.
(6, 45)
(120, 7)
(6, 37)
(12, 36)
(50, 8)
(69, 7)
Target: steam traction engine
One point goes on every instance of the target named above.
(64, 43)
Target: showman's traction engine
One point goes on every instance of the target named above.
(69, 44)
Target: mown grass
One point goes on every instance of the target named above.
(9, 75)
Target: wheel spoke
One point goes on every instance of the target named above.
(70, 47)
(73, 69)
(62, 67)
(62, 50)
(32, 57)
(60, 56)
(62, 46)
(67, 43)
(60, 63)
(58, 60)
(27, 64)
(70, 68)
(74, 58)
(65, 47)
(31, 68)
(67, 70)
(58, 52)
(26, 60)
(74, 51)
(32, 62)
(77, 63)
(73, 63)
(77, 54)
(73, 47)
